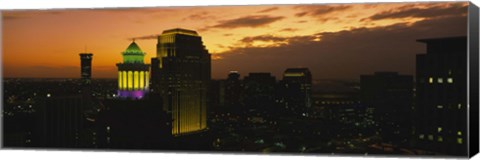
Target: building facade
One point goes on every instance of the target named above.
(390, 97)
(441, 88)
(181, 73)
(133, 74)
(86, 67)
(295, 90)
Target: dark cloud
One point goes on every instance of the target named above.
(227, 34)
(248, 21)
(289, 30)
(320, 10)
(268, 10)
(264, 38)
(199, 16)
(342, 55)
(454, 9)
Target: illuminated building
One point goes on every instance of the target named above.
(390, 97)
(133, 74)
(441, 87)
(86, 67)
(181, 74)
(296, 90)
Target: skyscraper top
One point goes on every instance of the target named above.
(180, 31)
(133, 54)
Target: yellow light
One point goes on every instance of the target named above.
(142, 80)
(135, 80)
(439, 129)
(440, 138)
(293, 74)
(124, 80)
(450, 80)
(130, 79)
(430, 80)
(440, 80)
(120, 80)
(459, 133)
(459, 140)
(147, 80)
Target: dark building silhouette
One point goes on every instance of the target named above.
(390, 96)
(133, 74)
(233, 91)
(86, 67)
(441, 101)
(260, 90)
(61, 121)
(295, 90)
(133, 124)
(181, 73)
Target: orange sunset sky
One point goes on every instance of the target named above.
(334, 41)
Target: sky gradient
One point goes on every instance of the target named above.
(334, 41)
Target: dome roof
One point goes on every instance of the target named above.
(133, 49)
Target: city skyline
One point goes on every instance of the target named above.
(241, 40)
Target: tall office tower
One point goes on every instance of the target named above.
(182, 74)
(133, 74)
(260, 92)
(441, 87)
(296, 90)
(86, 67)
(233, 91)
(390, 95)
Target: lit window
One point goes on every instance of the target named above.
(440, 139)
(459, 106)
(421, 136)
(459, 133)
(450, 80)
(430, 80)
(439, 129)
(440, 80)
(430, 137)
(48, 95)
(459, 140)
(439, 106)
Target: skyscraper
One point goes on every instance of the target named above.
(296, 89)
(233, 90)
(390, 95)
(86, 67)
(133, 74)
(181, 74)
(260, 92)
(441, 87)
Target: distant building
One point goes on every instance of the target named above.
(390, 97)
(233, 90)
(86, 67)
(260, 91)
(295, 90)
(133, 74)
(181, 73)
(441, 88)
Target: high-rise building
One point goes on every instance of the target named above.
(441, 88)
(233, 90)
(260, 92)
(133, 74)
(390, 97)
(86, 67)
(181, 73)
(296, 90)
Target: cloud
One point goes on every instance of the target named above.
(247, 21)
(413, 11)
(289, 30)
(320, 10)
(199, 16)
(341, 55)
(268, 10)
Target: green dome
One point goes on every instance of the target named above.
(133, 54)
(133, 49)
